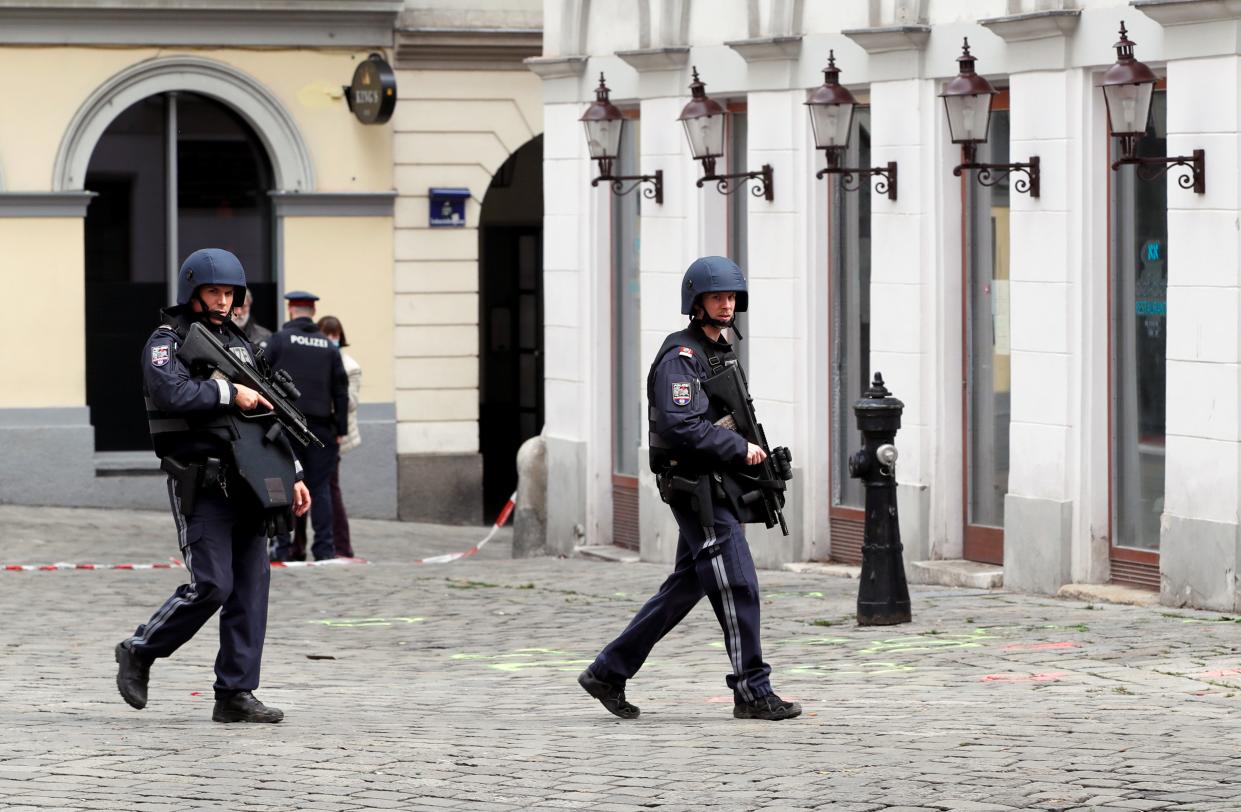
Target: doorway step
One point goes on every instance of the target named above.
(955, 572)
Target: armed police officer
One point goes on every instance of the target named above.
(305, 353)
(699, 456)
(207, 432)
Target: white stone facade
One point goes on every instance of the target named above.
(768, 54)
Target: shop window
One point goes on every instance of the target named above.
(738, 214)
(1139, 336)
(988, 391)
(628, 422)
(849, 252)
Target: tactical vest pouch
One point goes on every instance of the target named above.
(264, 465)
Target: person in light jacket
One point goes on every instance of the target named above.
(331, 327)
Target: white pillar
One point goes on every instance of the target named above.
(777, 268)
(1199, 539)
(915, 285)
(670, 241)
(1045, 310)
(575, 339)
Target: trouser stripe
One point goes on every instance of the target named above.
(730, 619)
(709, 536)
(175, 601)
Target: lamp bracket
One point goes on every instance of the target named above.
(653, 192)
(991, 174)
(851, 177)
(1195, 178)
(764, 176)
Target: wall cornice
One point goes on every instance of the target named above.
(44, 204)
(1188, 12)
(656, 59)
(334, 204)
(1036, 25)
(557, 67)
(466, 48)
(886, 39)
(286, 23)
(767, 49)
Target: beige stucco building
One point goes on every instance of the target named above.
(144, 131)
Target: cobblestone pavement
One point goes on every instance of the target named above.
(453, 686)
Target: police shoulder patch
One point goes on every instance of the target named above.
(680, 393)
(688, 352)
(159, 355)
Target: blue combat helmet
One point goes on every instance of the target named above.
(713, 275)
(210, 266)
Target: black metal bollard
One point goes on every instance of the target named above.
(883, 595)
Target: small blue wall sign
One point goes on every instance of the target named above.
(448, 207)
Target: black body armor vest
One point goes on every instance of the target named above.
(716, 357)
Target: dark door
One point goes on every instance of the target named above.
(511, 392)
(135, 237)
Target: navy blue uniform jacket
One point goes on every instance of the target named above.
(315, 366)
(174, 395)
(681, 411)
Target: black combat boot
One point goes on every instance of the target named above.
(241, 706)
(770, 707)
(610, 696)
(132, 676)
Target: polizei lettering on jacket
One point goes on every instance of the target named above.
(310, 341)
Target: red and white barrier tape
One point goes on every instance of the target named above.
(171, 564)
(505, 512)
(175, 563)
(327, 562)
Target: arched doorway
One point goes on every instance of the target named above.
(510, 387)
(174, 172)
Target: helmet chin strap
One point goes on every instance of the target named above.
(720, 323)
(206, 313)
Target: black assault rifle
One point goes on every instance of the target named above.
(762, 484)
(203, 348)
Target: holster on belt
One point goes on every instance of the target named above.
(697, 489)
(189, 478)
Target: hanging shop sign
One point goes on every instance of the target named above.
(372, 94)
(447, 207)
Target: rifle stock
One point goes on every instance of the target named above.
(201, 346)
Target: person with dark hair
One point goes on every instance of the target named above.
(693, 451)
(331, 327)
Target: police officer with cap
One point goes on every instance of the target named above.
(689, 449)
(194, 416)
(315, 365)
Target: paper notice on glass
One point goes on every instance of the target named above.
(999, 306)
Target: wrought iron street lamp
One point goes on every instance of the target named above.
(967, 100)
(604, 123)
(703, 118)
(831, 119)
(1128, 87)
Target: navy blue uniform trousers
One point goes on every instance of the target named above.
(226, 556)
(714, 562)
(319, 465)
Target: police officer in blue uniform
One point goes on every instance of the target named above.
(194, 417)
(712, 558)
(314, 363)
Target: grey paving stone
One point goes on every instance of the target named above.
(453, 687)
